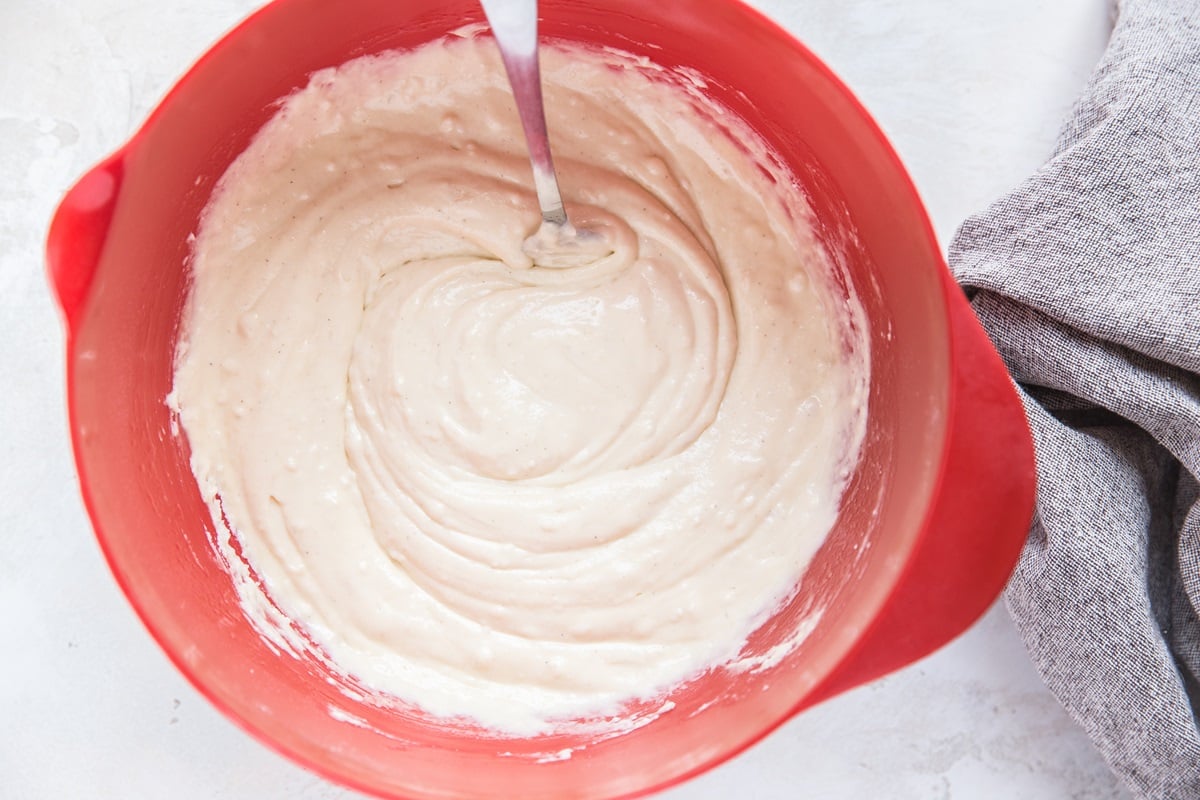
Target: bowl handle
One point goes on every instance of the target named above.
(978, 521)
(78, 231)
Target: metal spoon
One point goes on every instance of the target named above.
(515, 25)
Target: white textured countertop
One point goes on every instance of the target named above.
(972, 93)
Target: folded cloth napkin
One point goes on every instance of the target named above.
(1087, 279)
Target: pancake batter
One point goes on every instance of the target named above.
(509, 492)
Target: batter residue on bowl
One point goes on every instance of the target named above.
(515, 493)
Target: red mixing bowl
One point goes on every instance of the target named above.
(931, 524)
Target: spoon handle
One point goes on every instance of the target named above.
(514, 24)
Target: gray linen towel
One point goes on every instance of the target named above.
(1087, 278)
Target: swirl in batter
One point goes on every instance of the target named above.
(512, 492)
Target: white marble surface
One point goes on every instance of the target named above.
(972, 92)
